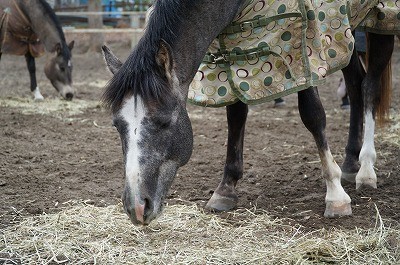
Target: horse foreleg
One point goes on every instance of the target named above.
(380, 52)
(313, 116)
(224, 197)
(30, 62)
(353, 75)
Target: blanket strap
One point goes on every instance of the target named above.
(21, 13)
(245, 55)
(257, 22)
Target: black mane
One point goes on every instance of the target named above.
(140, 75)
(48, 11)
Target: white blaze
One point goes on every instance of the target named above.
(133, 114)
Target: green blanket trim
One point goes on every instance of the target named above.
(258, 22)
(309, 83)
(379, 31)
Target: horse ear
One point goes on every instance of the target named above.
(58, 48)
(71, 45)
(112, 61)
(164, 56)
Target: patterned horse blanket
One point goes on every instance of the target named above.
(278, 47)
(16, 34)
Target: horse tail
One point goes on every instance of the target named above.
(385, 92)
(382, 112)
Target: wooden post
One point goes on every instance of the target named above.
(95, 22)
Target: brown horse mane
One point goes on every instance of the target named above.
(53, 19)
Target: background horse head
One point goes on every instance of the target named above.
(30, 27)
(58, 70)
(148, 93)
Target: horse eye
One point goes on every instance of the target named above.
(62, 68)
(162, 123)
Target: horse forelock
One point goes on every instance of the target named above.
(140, 75)
(66, 53)
(143, 79)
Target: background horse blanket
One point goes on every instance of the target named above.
(275, 48)
(16, 34)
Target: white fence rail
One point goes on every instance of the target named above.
(91, 13)
(117, 30)
(135, 30)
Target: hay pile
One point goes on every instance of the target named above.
(58, 108)
(84, 234)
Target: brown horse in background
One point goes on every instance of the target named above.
(29, 28)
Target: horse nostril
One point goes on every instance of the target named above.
(147, 208)
(69, 96)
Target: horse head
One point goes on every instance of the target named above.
(58, 70)
(156, 134)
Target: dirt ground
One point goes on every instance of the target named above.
(49, 157)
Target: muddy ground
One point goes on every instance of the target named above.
(54, 152)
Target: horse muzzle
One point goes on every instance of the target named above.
(140, 211)
(67, 92)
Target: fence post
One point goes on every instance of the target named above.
(96, 22)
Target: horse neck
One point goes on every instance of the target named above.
(196, 36)
(42, 24)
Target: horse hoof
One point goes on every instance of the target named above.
(349, 177)
(366, 177)
(279, 104)
(221, 203)
(39, 98)
(366, 183)
(345, 107)
(335, 209)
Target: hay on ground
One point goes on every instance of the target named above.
(84, 234)
(58, 108)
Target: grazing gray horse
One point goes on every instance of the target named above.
(148, 92)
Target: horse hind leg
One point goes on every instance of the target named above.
(30, 62)
(375, 99)
(313, 116)
(353, 75)
(224, 197)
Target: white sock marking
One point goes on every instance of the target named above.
(332, 173)
(37, 94)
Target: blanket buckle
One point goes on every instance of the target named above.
(217, 59)
(246, 25)
(251, 55)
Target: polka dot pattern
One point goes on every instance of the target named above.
(300, 56)
(384, 17)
